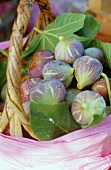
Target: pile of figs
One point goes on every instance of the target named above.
(71, 74)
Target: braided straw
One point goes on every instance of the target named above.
(44, 6)
(13, 112)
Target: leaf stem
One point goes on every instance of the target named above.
(108, 86)
(4, 52)
(37, 30)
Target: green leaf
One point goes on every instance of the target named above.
(95, 43)
(33, 45)
(65, 24)
(89, 30)
(91, 27)
(51, 121)
(4, 52)
(3, 66)
(105, 48)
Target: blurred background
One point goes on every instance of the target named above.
(8, 12)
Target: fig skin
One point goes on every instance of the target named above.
(85, 105)
(87, 71)
(70, 94)
(33, 19)
(26, 87)
(101, 88)
(38, 61)
(68, 50)
(94, 53)
(48, 91)
(59, 70)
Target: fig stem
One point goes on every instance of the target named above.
(61, 38)
(108, 86)
(84, 106)
(37, 30)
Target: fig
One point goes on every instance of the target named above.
(26, 87)
(68, 50)
(48, 91)
(101, 87)
(70, 94)
(86, 105)
(59, 70)
(38, 61)
(33, 19)
(87, 71)
(94, 53)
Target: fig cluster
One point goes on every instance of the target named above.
(71, 74)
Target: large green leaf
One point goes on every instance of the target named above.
(106, 48)
(51, 121)
(89, 30)
(91, 27)
(65, 24)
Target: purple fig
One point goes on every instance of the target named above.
(38, 61)
(68, 50)
(59, 70)
(86, 105)
(94, 53)
(26, 87)
(87, 71)
(101, 88)
(33, 19)
(48, 91)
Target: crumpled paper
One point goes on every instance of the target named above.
(86, 149)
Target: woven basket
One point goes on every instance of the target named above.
(74, 151)
(13, 110)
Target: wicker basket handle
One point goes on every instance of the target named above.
(13, 112)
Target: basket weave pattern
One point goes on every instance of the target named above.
(13, 112)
